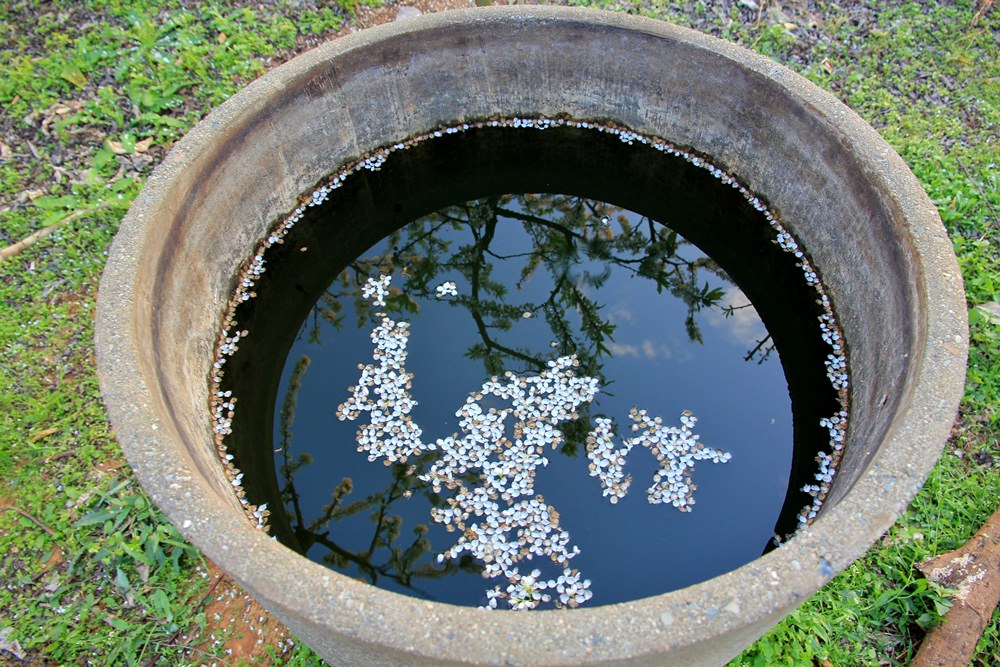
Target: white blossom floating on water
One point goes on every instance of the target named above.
(223, 405)
(447, 288)
(383, 389)
(375, 290)
(676, 448)
(501, 521)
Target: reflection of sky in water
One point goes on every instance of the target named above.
(628, 550)
(742, 323)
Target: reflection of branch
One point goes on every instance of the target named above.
(401, 564)
(729, 310)
(756, 349)
(551, 299)
(381, 513)
(288, 468)
(365, 564)
(524, 217)
(475, 269)
(592, 206)
(654, 258)
(426, 235)
(492, 345)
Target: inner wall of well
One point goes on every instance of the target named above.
(330, 113)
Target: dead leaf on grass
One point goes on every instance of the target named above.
(116, 147)
(74, 75)
(143, 146)
(54, 111)
(44, 434)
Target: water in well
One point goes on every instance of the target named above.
(514, 368)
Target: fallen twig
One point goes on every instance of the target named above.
(11, 508)
(984, 6)
(15, 249)
(973, 571)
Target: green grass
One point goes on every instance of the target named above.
(92, 97)
(94, 93)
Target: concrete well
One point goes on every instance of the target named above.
(870, 229)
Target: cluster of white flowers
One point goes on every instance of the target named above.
(502, 537)
(836, 370)
(607, 461)
(676, 448)
(835, 363)
(537, 404)
(224, 408)
(260, 513)
(383, 389)
(374, 162)
(818, 491)
(447, 288)
(223, 403)
(837, 426)
(830, 334)
(529, 591)
(836, 373)
(376, 289)
(571, 590)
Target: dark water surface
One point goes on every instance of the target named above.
(603, 270)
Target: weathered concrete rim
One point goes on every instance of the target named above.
(427, 633)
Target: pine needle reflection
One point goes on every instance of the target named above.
(386, 555)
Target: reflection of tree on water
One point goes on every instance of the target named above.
(385, 556)
(569, 237)
(566, 232)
